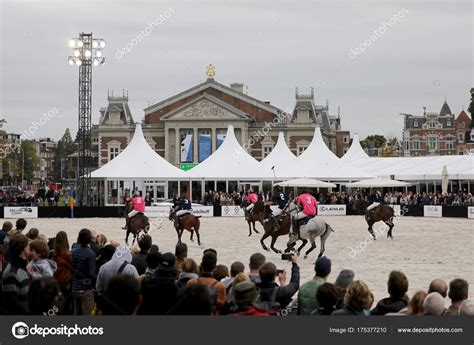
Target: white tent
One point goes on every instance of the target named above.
(230, 161)
(426, 168)
(281, 159)
(355, 153)
(138, 161)
(378, 182)
(306, 182)
(320, 162)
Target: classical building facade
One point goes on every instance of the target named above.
(436, 133)
(188, 127)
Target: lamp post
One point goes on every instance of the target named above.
(87, 52)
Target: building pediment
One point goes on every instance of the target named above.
(206, 107)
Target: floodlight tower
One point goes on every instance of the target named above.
(87, 52)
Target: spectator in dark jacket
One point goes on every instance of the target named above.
(458, 293)
(84, 274)
(122, 296)
(6, 228)
(343, 280)
(159, 290)
(357, 301)
(397, 286)
(284, 293)
(139, 259)
(16, 280)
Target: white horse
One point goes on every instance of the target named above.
(316, 227)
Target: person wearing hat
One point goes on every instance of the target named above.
(343, 280)
(310, 208)
(138, 203)
(281, 199)
(245, 295)
(252, 197)
(159, 290)
(307, 296)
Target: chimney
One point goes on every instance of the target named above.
(239, 87)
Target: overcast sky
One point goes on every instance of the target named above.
(271, 46)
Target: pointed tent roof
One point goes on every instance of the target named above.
(355, 152)
(282, 159)
(138, 160)
(445, 110)
(319, 162)
(230, 161)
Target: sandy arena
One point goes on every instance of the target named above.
(423, 248)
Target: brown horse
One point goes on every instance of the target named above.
(285, 226)
(256, 215)
(188, 222)
(136, 224)
(380, 213)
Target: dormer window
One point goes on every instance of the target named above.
(448, 123)
(433, 122)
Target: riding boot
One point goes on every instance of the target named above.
(276, 223)
(176, 221)
(247, 214)
(127, 223)
(294, 228)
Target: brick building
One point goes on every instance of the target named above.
(435, 133)
(188, 127)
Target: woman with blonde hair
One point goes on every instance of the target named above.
(357, 301)
(229, 305)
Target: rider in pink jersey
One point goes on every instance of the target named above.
(138, 205)
(253, 198)
(310, 208)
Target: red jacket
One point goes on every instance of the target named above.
(252, 311)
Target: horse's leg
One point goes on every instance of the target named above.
(265, 235)
(313, 245)
(250, 229)
(255, 230)
(180, 232)
(323, 243)
(301, 247)
(272, 245)
(390, 227)
(371, 230)
(126, 236)
(197, 225)
(192, 233)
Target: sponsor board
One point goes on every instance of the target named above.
(432, 211)
(157, 211)
(331, 210)
(164, 211)
(204, 211)
(232, 211)
(20, 212)
(470, 212)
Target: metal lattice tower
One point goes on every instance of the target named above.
(87, 52)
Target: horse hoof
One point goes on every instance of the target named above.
(256, 232)
(305, 257)
(191, 240)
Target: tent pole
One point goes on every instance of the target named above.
(202, 189)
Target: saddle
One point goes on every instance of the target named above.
(305, 220)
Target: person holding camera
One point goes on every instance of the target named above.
(274, 295)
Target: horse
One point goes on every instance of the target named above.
(285, 226)
(316, 227)
(188, 222)
(136, 224)
(256, 215)
(380, 213)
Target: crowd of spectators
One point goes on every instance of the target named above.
(93, 276)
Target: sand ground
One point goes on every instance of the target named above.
(423, 248)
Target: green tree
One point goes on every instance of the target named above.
(65, 147)
(373, 141)
(471, 108)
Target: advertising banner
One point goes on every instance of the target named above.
(331, 210)
(232, 211)
(21, 212)
(432, 211)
